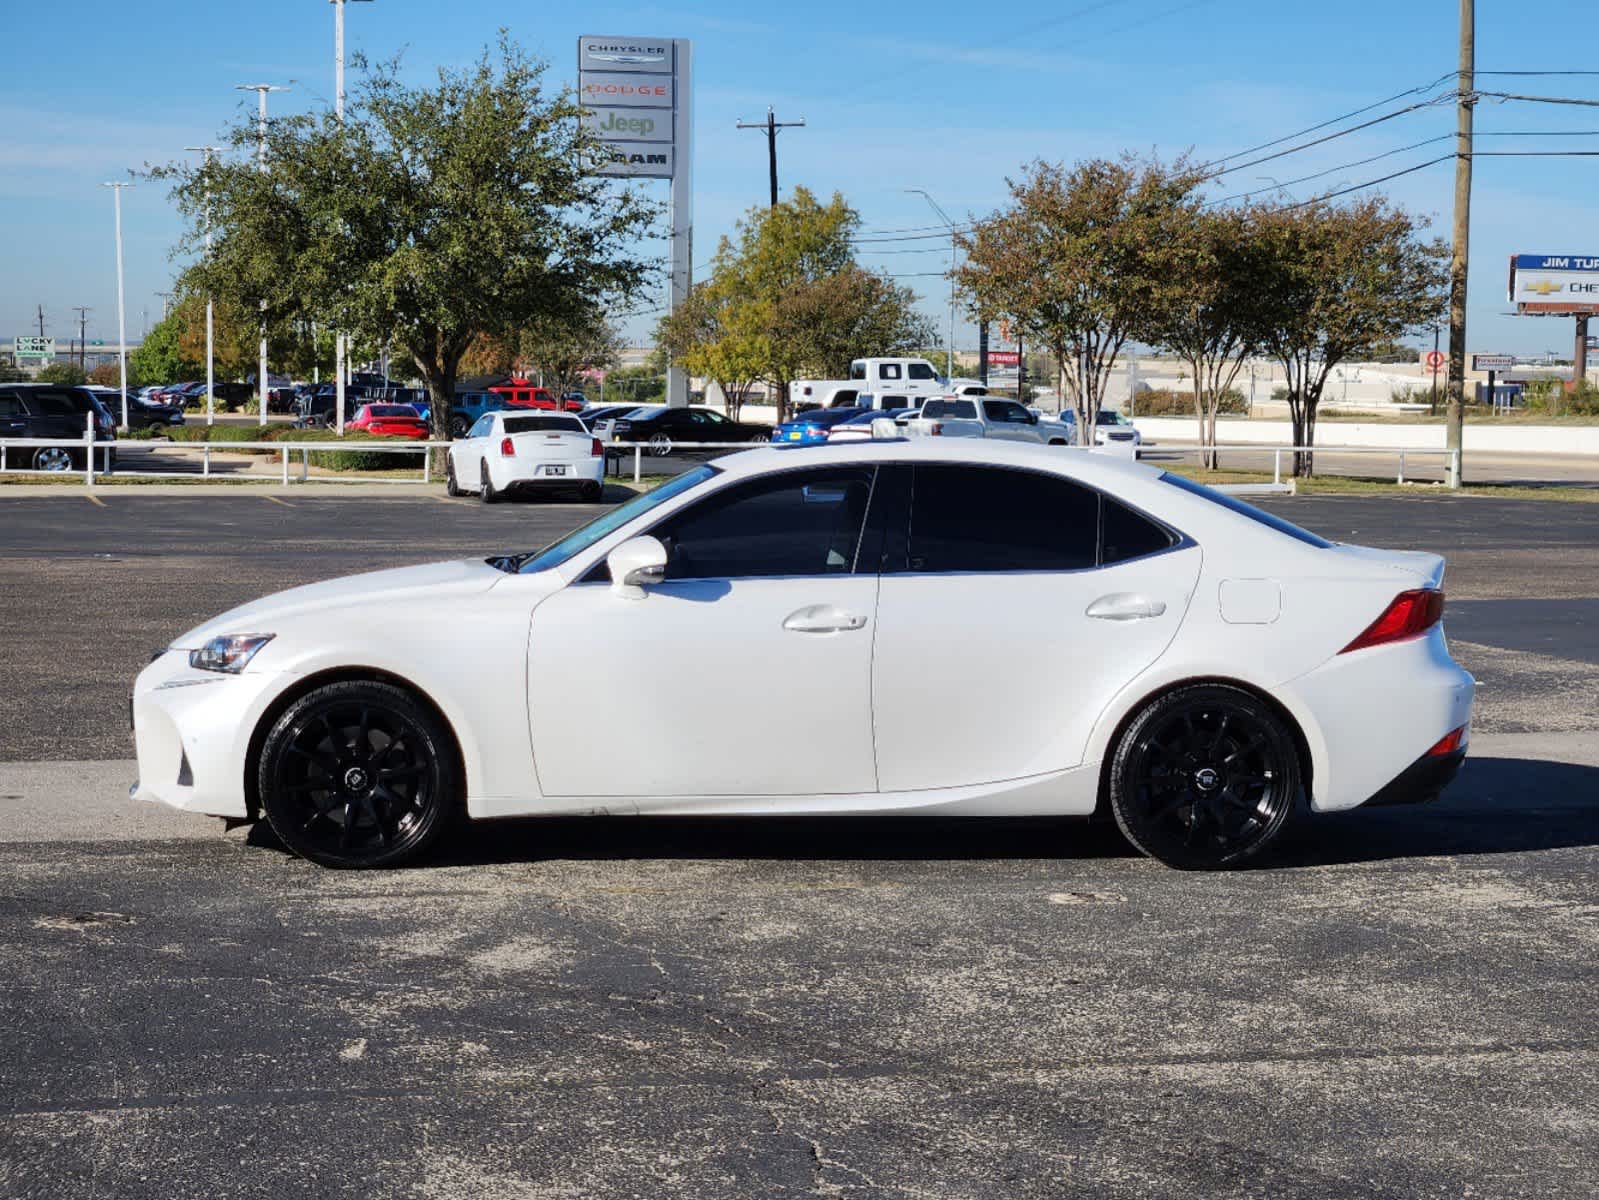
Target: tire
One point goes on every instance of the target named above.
(760, 441)
(1057, 442)
(1205, 777)
(592, 491)
(486, 492)
(458, 427)
(660, 445)
(451, 488)
(359, 774)
(52, 458)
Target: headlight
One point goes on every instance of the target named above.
(230, 653)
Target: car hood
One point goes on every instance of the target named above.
(404, 586)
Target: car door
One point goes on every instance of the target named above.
(1014, 604)
(13, 420)
(745, 673)
(468, 451)
(1009, 421)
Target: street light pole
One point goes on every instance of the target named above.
(210, 305)
(122, 322)
(943, 216)
(340, 341)
(261, 90)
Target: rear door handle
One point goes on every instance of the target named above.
(1126, 606)
(822, 618)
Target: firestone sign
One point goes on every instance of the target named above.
(1555, 283)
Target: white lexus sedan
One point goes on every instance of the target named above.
(510, 452)
(970, 627)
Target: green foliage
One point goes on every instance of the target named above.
(432, 215)
(339, 457)
(63, 373)
(787, 299)
(1166, 402)
(635, 383)
(1551, 397)
(161, 359)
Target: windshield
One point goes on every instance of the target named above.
(1108, 416)
(582, 538)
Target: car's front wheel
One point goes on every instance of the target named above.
(451, 487)
(1204, 777)
(486, 492)
(358, 774)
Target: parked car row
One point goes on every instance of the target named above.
(41, 410)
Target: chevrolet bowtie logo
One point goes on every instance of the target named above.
(1543, 287)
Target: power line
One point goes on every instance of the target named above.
(1371, 182)
(1255, 162)
(1541, 99)
(1333, 121)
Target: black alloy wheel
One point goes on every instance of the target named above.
(358, 774)
(1205, 777)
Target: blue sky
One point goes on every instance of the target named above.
(942, 96)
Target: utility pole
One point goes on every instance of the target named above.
(953, 250)
(770, 126)
(83, 311)
(205, 153)
(261, 90)
(41, 315)
(1464, 102)
(341, 344)
(122, 322)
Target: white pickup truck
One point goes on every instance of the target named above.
(872, 383)
(987, 416)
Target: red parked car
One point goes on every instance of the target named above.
(390, 420)
(519, 393)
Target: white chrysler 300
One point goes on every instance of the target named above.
(965, 627)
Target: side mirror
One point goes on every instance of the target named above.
(635, 564)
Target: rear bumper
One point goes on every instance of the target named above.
(1422, 781)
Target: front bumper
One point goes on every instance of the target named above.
(191, 732)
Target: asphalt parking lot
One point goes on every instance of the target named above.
(1398, 1005)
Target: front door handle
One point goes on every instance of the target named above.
(822, 618)
(1126, 606)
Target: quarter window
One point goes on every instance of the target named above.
(795, 523)
(1125, 534)
(983, 519)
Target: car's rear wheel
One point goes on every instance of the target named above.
(358, 774)
(592, 491)
(486, 492)
(1205, 777)
(52, 458)
(660, 445)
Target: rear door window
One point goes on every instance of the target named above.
(988, 519)
(45, 403)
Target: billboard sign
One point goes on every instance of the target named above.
(1492, 362)
(647, 55)
(635, 96)
(1004, 358)
(1554, 283)
(633, 124)
(28, 346)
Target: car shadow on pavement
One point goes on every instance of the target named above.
(1496, 806)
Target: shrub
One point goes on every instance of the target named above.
(1551, 398)
(337, 457)
(1165, 402)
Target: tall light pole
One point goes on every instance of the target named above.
(205, 153)
(122, 316)
(261, 90)
(340, 342)
(944, 217)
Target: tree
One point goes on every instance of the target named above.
(109, 374)
(431, 215)
(1081, 263)
(786, 298)
(562, 349)
(1339, 280)
(63, 373)
(160, 358)
(1217, 319)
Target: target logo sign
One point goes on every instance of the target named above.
(1434, 360)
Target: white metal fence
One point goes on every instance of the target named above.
(1400, 456)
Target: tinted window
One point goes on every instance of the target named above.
(10, 406)
(795, 523)
(922, 371)
(1004, 412)
(392, 410)
(544, 425)
(42, 403)
(959, 409)
(888, 371)
(1125, 534)
(986, 519)
(1247, 510)
(857, 370)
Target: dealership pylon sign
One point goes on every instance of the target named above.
(1555, 283)
(637, 99)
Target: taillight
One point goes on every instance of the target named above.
(1448, 744)
(507, 450)
(596, 450)
(1409, 616)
